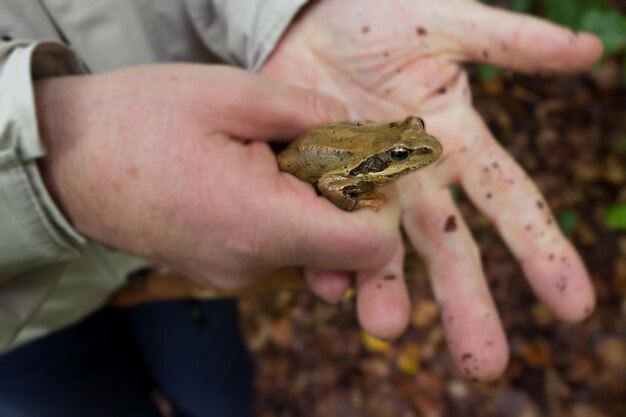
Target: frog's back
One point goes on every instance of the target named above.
(318, 152)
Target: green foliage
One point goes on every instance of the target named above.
(571, 13)
(615, 218)
(456, 192)
(594, 16)
(523, 6)
(487, 72)
(609, 25)
(569, 221)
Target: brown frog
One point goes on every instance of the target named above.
(346, 161)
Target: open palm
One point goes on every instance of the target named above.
(390, 59)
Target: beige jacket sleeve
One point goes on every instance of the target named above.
(242, 32)
(34, 233)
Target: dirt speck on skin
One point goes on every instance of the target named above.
(450, 225)
(561, 284)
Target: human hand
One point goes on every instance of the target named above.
(404, 57)
(170, 163)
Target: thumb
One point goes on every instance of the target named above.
(527, 44)
(262, 109)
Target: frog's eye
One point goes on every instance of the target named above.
(425, 150)
(399, 154)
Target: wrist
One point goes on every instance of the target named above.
(58, 115)
(46, 114)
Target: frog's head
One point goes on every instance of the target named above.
(405, 147)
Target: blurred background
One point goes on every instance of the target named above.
(569, 133)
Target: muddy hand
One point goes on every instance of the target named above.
(391, 59)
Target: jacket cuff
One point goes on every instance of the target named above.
(34, 232)
(243, 32)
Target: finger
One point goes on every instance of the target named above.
(473, 329)
(525, 43)
(256, 108)
(383, 304)
(499, 187)
(307, 229)
(328, 285)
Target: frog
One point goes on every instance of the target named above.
(346, 161)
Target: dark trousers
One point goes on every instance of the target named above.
(110, 364)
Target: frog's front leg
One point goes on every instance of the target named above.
(340, 190)
(348, 193)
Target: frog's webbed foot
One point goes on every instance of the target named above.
(349, 195)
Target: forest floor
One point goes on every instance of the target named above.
(569, 133)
